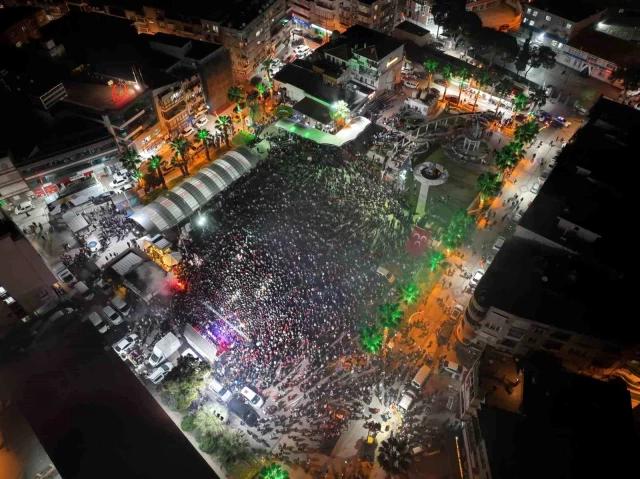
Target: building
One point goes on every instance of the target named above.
(25, 280)
(502, 15)
(326, 16)
(409, 31)
(251, 30)
(418, 11)
(21, 25)
(551, 20)
(581, 426)
(550, 285)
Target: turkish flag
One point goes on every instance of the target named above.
(418, 242)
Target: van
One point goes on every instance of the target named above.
(98, 323)
(220, 389)
(64, 275)
(405, 402)
(386, 274)
(121, 305)
(420, 377)
(82, 290)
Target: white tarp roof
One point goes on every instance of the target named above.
(75, 222)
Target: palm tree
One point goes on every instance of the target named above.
(261, 89)
(629, 76)
(430, 66)
(371, 339)
(223, 123)
(482, 80)
(520, 102)
(130, 160)
(273, 471)
(237, 95)
(390, 315)
(504, 87)
(463, 74)
(446, 73)
(340, 112)
(410, 293)
(394, 456)
(509, 155)
(489, 184)
(205, 137)
(179, 147)
(527, 132)
(284, 111)
(537, 98)
(155, 163)
(266, 64)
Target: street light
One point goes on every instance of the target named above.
(201, 220)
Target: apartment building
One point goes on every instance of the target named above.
(332, 15)
(553, 20)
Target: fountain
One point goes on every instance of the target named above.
(428, 174)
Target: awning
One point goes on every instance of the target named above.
(314, 110)
(177, 205)
(75, 222)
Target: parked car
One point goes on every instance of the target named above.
(121, 305)
(201, 121)
(112, 315)
(405, 401)
(82, 290)
(413, 84)
(560, 122)
(102, 284)
(475, 279)
(188, 131)
(64, 275)
(24, 207)
(118, 183)
(61, 313)
(498, 243)
(98, 323)
(456, 312)
(386, 274)
(241, 409)
(158, 374)
(221, 390)
(102, 197)
(535, 188)
(253, 397)
(125, 345)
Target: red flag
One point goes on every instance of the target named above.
(418, 242)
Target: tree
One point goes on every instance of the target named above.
(430, 66)
(390, 315)
(489, 184)
(524, 56)
(238, 96)
(261, 89)
(409, 293)
(446, 73)
(371, 339)
(629, 76)
(206, 421)
(541, 56)
(184, 383)
(283, 111)
(266, 64)
(463, 75)
(457, 229)
(491, 44)
(509, 155)
(435, 259)
(223, 123)
(155, 164)
(520, 102)
(440, 10)
(340, 112)
(273, 471)
(130, 160)
(394, 455)
(527, 132)
(503, 88)
(206, 138)
(483, 79)
(537, 98)
(179, 147)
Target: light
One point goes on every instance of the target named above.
(541, 37)
(137, 87)
(201, 221)
(392, 61)
(601, 25)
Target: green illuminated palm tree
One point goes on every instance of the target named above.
(371, 339)
(223, 123)
(179, 147)
(430, 66)
(463, 75)
(509, 155)
(205, 137)
(527, 132)
(155, 163)
(457, 229)
(520, 102)
(394, 456)
(130, 160)
(340, 111)
(238, 96)
(284, 111)
(435, 259)
(410, 293)
(489, 184)
(390, 315)
(447, 73)
(273, 471)
(261, 88)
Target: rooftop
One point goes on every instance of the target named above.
(12, 15)
(550, 286)
(574, 10)
(308, 81)
(311, 108)
(412, 28)
(201, 50)
(581, 426)
(363, 41)
(607, 47)
(100, 96)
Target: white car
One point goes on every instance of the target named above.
(60, 313)
(413, 84)
(103, 285)
(253, 397)
(98, 323)
(158, 374)
(475, 279)
(221, 390)
(126, 344)
(535, 188)
(118, 182)
(24, 207)
(188, 131)
(112, 315)
(121, 305)
(200, 122)
(498, 243)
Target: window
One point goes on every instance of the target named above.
(535, 13)
(548, 18)
(569, 26)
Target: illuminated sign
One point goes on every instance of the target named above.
(392, 61)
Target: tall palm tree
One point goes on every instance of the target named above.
(179, 147)
(394, 456)
(503, 88)
(273, 471)
(527, 132)
(390, 315)
(537, 98)
(206, 138)
(463, 75)
(130, 160)
(155, 163)
(430, 66)
(446, 73)
(238, 96)
(509, 155)
(482, 80)
(489, 184)
(520, 102)
(223, 123)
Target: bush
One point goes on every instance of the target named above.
(209, 442)
(188, 423)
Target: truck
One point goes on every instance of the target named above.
(200, 343)
(163, 349)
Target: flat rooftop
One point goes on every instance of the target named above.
(412, 28)
(607, 47)
(574, 10)
(550, 286)
(99, 96)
